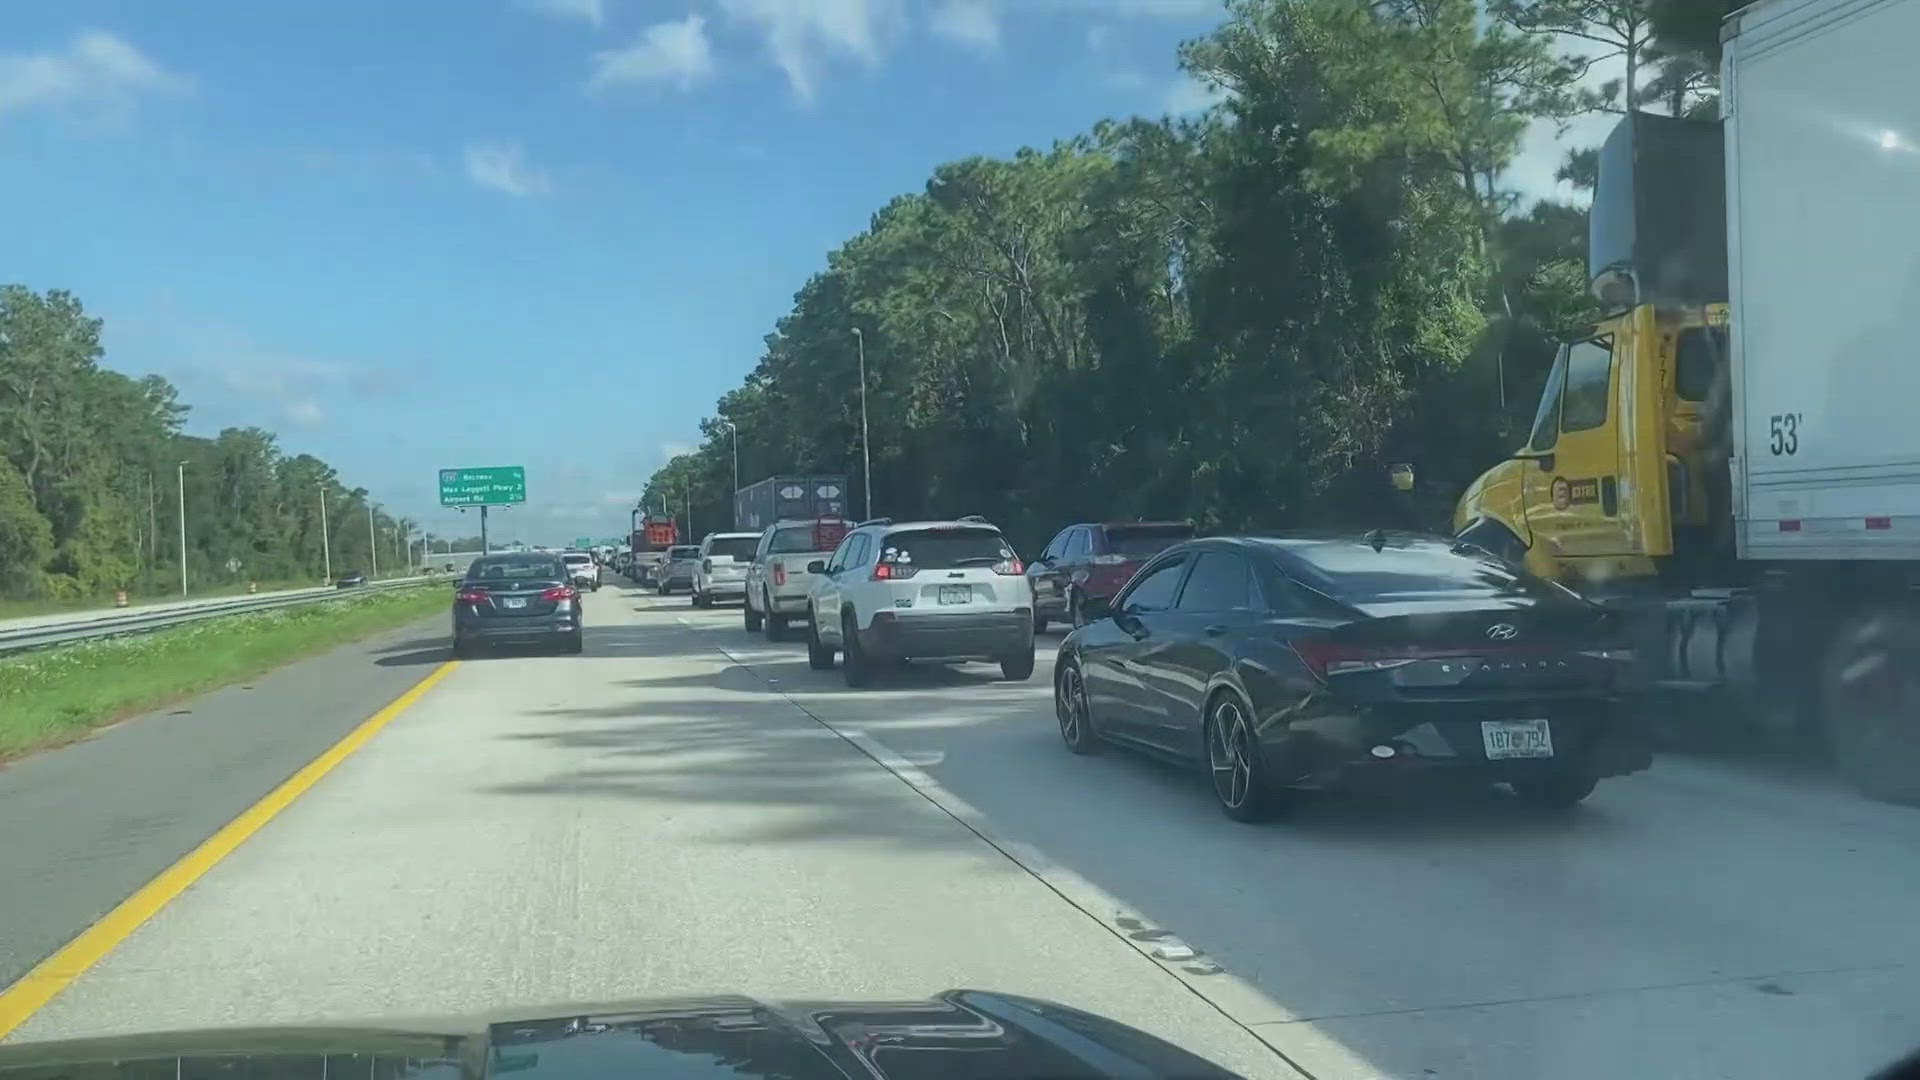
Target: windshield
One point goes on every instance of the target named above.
(944, 549)
(1141, 541)
(1062, 355)
(529, 567)
(738, 548)
(792, 540)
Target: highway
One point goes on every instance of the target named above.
(687, 808)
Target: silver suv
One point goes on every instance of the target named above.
(777, 581)
(721, 572)
(922, 590)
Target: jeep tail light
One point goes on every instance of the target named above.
(1011, 566)
(887, 571)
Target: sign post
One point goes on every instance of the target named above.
(498, 485)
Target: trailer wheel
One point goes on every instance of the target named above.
(1870, 698)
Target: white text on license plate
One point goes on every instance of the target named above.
(956, 594)
(1516, 739)
(513, 601)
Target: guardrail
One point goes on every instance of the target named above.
(71, 631)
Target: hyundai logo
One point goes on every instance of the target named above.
(1501, 631)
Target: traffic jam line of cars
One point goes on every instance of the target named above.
(1273, 665)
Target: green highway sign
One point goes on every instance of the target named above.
(583, 541)
(498, 486)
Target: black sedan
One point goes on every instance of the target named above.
(523, 599)
(1279, 664)
(352, 579)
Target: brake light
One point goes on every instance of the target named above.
(560, 592)
(887, 571)
(1329, 658)
(779, 573)
(472, 596)
(1011, 566)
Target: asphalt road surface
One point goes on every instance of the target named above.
(688, 809)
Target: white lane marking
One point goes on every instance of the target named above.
(1239, 1001)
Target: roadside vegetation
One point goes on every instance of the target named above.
(1241, 318)
(55, 695)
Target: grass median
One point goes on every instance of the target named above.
(55, 695)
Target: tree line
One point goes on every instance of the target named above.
(92, 468)
(1241, 318)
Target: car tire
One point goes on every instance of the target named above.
(1553, 789)
(1039, 621)
(576, 642)
(660, 589)
(855, 665)
(461, 649)
(819, 656)
(1870, 716)
(1073, 711)
(749, 617)
(699, 599)
(1019, 666)
(1235, 769)
(776, 625)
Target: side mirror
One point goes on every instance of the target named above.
(1543, 457)
(1095, 607)
(817, 566)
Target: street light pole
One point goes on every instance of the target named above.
(735, 432)
(866, 456)
(183, 528)
(373, 543)
(326, 545)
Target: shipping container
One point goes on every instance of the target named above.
(789, 498)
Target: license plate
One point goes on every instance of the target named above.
(1516, 739)
(956, 594)
(513, 601)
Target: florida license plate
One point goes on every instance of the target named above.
(956, 594)
(513, 601)
(1516, 739)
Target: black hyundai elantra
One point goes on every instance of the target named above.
(1286, 663)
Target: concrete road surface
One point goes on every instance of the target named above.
(688, 808)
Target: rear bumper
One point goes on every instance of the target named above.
(950, 637)
(790, 602)
(735, 587)
(543, 628)
(1598, 738)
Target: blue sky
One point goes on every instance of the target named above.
(413, 234)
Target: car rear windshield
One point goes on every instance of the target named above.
(517, 569)
(576, 560)
(792, 540)
(683, 553)
(1402, 571)
(1139, 541)
(736, 547)
(945, 549)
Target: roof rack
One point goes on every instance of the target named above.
(874, 521)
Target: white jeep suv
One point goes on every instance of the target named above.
(922, 590)
(721, 571)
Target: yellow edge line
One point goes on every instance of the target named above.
(52, 975)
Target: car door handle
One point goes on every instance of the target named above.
(1215, 630)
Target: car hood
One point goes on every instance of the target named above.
(961, 1032)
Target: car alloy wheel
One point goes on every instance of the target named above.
(1071, 710)
(819, 657)
(1233, 761)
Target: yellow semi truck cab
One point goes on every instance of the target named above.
(1617, 473)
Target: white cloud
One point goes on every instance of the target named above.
(669, 52)
(969, 23)
(1099, 38)
(97, 70)
(593, 12)
(802, 35)
(1189, 95)
(502, 169)
(306, 412)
